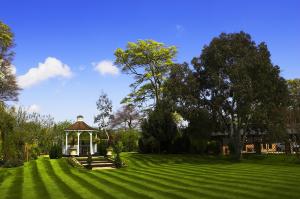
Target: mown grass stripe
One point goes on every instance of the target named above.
(270, 186)
(208, 184)
(68, 179)
(127, 182)
(153, 189)
(15, 188)
(3, 176)
(28, 185)
(223, 166)
(82, 181)
(51, 186)
(7, 182)
(65, 188)
(202, 169)
(218, 183)
(236, 175)
(170, 185)
(236, 182)
(117, 187)
(196, 168)
(39, 185)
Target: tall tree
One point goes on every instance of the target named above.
(293, 111)
(149, 63)
(242, 88)
(9, 89)
(183, 90)
(7, 123)
(104, 106)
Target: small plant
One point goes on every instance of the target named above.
(118, 161)
(89, 161)
(118, 149)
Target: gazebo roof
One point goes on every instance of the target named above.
(80, 125)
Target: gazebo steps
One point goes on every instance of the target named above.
(108, 164)
(97, 162)
(94, 161)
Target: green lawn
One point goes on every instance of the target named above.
(153, 176)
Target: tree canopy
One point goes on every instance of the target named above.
(9, 89)
(149, 62)
(241, 87)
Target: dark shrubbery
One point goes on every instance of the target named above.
(128, 137)
(158, 132)
(55, 152)
(101, 147)
(13, 163)
(213, 148)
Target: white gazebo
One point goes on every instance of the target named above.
(83, 146)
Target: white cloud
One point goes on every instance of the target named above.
(33, 108)
(51, 68)
(106, 67)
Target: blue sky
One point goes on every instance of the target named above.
(71, 37)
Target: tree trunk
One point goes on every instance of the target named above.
(288, 149)
(237, 144)
(257, 148)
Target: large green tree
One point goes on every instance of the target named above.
(241, 87)
(293, 110)
(149, 63)
(7, 123)
(183, 91)
(9, 89)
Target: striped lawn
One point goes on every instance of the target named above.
(153, 176)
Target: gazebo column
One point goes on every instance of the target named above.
(95, 149)
(91, 143)
(66, 152)
(78, 135)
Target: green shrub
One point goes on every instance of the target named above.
(89, 161)
(34, 153)
(118, 161)
(13, 163)
(102, 146)
(118, 147)
(55, 152)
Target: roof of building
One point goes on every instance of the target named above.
(80, 126)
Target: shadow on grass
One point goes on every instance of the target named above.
(66, 190)
(16, 188)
